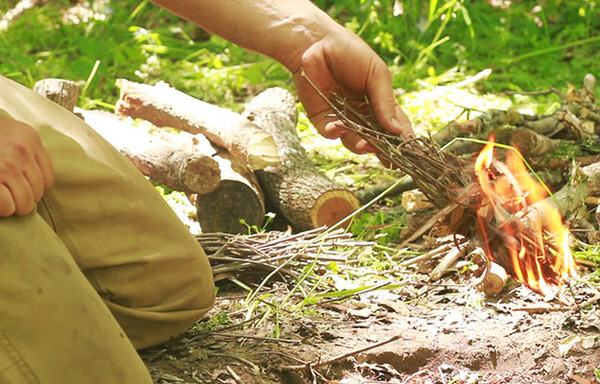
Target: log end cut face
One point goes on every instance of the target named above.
(332, 207)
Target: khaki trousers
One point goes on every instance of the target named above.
(102, 268)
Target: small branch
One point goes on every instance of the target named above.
(242, 336)
(447, 262)
(342, 356)
(234, 375)
(482, 75)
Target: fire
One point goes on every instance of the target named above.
(520, 228)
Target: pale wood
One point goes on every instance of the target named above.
(589, 88)
(495, 279)
(568, 198)
(165, 106)
(304, 196)
(63, 92)
(415, 200)
(163, 162)
(447, 262)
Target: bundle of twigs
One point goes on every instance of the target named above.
(262, 253)
(438, 174)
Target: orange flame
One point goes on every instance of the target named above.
(517, 219)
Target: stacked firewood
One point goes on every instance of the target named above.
(232, 166)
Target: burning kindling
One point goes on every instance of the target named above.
(492, 199)
(518, 226)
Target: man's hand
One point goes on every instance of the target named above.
(343, 64)
(25, 168)
(301, 36)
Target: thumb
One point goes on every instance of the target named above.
(388, 112)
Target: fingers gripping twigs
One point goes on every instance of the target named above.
(25, 168)
(438, 174)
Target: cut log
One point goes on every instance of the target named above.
(237, 203)
(304, 196)
(63, 92)
(167, 107)
(170, 165)
(224, 189)
(531, 143)
(495, 279)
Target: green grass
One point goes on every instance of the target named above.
(528, 47)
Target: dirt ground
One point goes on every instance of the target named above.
(416, 332)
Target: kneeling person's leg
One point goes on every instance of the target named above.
(145, 264)
(54, 328)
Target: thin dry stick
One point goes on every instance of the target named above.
(268, 251)
(342, 356)
(439, 175)
(234, 375)
(446, 263)
(242, 336)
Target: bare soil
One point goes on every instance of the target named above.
(446, 333)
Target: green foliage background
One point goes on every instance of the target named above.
(529, 44)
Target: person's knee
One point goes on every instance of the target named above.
(158, 296)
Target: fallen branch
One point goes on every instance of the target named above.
(179, 169)
(167, 107)
(531, 143)
(447, 262)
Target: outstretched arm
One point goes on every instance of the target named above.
(302, 37)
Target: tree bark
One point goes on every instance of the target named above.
(305, 197)
(531, 143)
(167, 107)
(168, 164)
(62, 92)
(236, 204)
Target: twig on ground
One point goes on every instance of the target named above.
(234, 375)
(342, 356)
(237, 254)
(446, 263)
(441, 250)
(242, 336)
